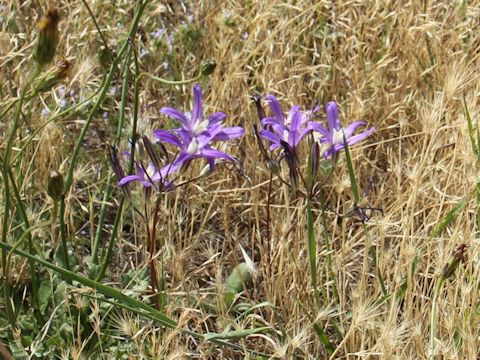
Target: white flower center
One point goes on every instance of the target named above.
(337, 136)
(193, 147)
(150, 171)
(199, 127)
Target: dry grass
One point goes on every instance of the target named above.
(402, 66)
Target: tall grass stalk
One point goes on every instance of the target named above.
(108, 186)
(119, 215)
(7, 203)
(436, 293)
(105, 87)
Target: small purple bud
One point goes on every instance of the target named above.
(291, 159)
(152, 153)
(257, 99)
(315, 160)
(117, 168)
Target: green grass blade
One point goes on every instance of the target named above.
(471, 130)
(132, 304)
(312, 251)
(351, 173)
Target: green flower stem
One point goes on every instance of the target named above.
(108, 252)
(26, 225)
(63, 233)
(105, 86)
(109, 189)
(326, 237)
(5, 170)
(118, 217)
(105, 43)
(436, 293)
(136, 103)
(312, 251)
(171, 82)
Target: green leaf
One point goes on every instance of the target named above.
(44, 294)
(351, 173)
(471, 131)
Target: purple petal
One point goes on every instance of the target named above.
(170, 169)
(276, 108)
(139, 170)
(350, 129)
(332, 116)
(275, 124)
(274, 146)
(214, 154)
(296, 121)
(321, 129)
(329, 152)
(197, 113)
(272, 121)
(228, 133)
(216, 118)
(128, 179)
(315, 109)
(167, 137)
(293, 110)
(211, 163)
(177, 164)
(177, 115)
(185, 138)
(269, 136)
(305, 130)
(359, 137)
(204, 139)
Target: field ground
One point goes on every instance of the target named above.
(408, 68)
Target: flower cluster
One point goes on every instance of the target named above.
(196, 134)
(333, 136)
(288, 132)
(193, 139)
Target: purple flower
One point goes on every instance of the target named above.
(332, 139)
(195, 124)
(192, 148)
(149, 176)
(290, 130)
(196, 133)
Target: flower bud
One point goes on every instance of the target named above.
(241, 276)
(47, 37)
(291, 159)
(155, 154)
(315, 160)
(55, 185)
(458, 257)
(257, 99)
(208, 67)
(105, 57)
(274, 167)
